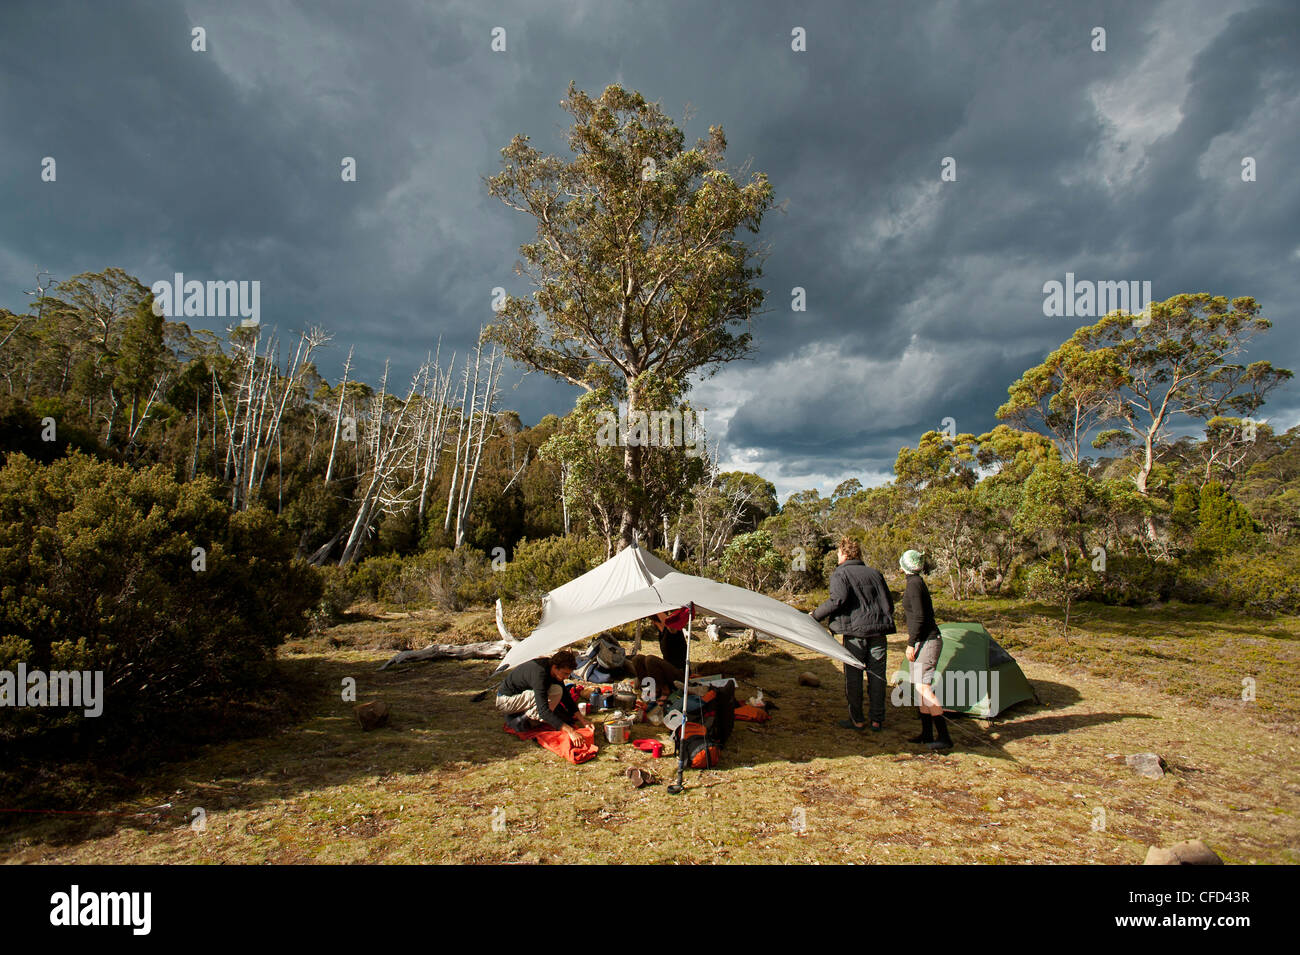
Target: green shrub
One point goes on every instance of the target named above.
(1048, 581)
(372, 576)
(99, 571)
(315, 513)
(542, 565)
(339, 591)
(750, 561)
(1261, 584)
(1132, 580)
(442, 578)
(1224, 525)
(814, 574)
(22, 429)
(830, 560)
(398, 533)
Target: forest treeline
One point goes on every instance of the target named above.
(175, 503)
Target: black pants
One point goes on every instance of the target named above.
(672, 647)
(871, 650)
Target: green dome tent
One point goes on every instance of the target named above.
(974, 675)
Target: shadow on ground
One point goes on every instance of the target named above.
(433, 726)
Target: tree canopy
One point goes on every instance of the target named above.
(639, 278)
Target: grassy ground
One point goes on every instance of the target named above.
(1044, 783)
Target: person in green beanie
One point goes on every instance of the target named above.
(923, 643)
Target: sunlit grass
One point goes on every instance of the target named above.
(1024, 788)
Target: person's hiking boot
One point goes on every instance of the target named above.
(927, 730)
(519, 723)
(850, 725)
(877, 726)
(944, 741)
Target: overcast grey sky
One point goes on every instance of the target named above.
(924, 298)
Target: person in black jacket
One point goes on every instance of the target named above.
(533, 693)
(923, 644)
(672, 635)
(860, 608)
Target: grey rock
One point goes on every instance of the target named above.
(1192, 852)
(1146, 764)
(372, 715)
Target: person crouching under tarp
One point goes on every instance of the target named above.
(533, 693)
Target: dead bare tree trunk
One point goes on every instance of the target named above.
(487, 424)
(564, 495)
(491, 650)
(396, 442)
(338, 417)
(261, 398)
(456, 466)
(437, 434)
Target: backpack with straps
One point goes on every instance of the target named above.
(605, 656)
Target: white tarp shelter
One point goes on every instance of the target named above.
(635, 584)
(628, 571)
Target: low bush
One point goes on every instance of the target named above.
(372, 578)
(542, 565)
(339, 590)
(1261, 584)
(153, 582)
(1132, 581)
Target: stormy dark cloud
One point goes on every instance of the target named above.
(924, 298)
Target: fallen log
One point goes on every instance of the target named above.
(487, 650)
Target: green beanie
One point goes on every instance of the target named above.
(911, 561)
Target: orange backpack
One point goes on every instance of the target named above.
(752, 714)
(699, 750)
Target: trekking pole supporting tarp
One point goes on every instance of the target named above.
(677, 787)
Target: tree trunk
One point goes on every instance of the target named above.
(456, 465)
(194, 459)
(322, 553)
(1148, 462)
(629, 524)
(338, 417)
